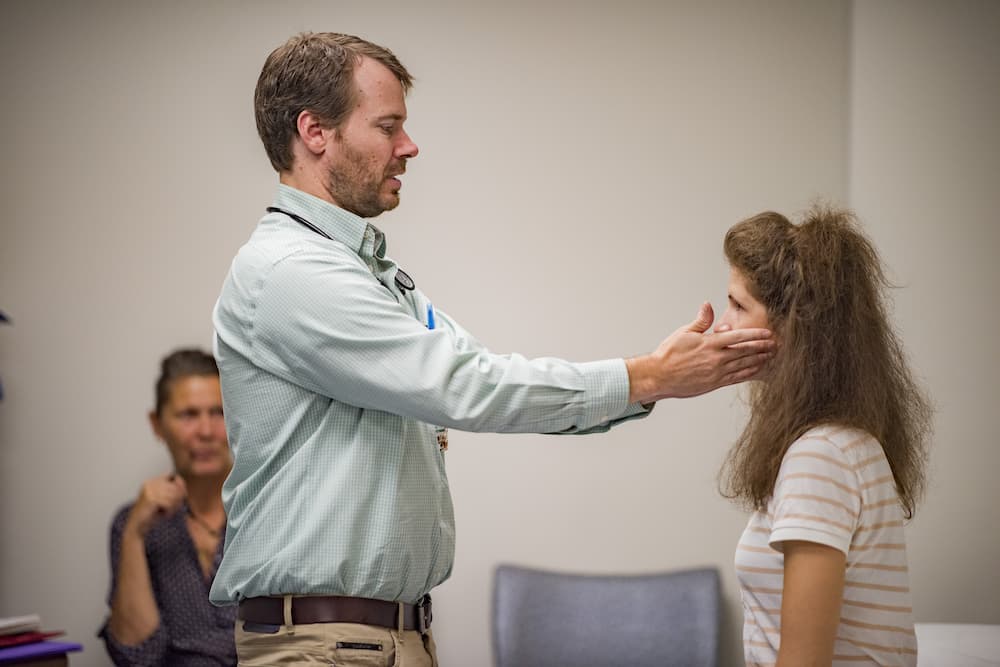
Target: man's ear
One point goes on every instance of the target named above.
(313, 132)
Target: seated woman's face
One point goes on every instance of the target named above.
(192, 426)
(744, 311)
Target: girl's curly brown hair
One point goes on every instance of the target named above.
(839, 359)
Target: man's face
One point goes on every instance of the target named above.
(369, 150)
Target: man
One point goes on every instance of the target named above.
(340, 380)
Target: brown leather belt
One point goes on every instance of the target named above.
(337, 609)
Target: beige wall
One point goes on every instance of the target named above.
(925, 172)
(579, 165)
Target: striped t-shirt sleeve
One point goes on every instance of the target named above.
(817, 496)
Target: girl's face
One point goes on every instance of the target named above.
(744, 311)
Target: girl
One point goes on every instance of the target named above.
(832, 457)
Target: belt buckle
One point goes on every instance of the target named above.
(424, 615)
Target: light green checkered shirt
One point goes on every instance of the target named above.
(331, 381)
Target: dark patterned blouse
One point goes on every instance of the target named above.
(193, 632)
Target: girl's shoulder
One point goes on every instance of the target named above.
(853, 444)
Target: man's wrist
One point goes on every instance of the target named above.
(642, 385)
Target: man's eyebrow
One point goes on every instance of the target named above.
(391, 116)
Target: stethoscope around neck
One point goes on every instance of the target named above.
(403, 280)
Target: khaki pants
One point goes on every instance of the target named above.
(340, 644)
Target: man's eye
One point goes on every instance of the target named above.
(387, 129)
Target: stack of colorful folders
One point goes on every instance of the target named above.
(23, 640)
(18, 630)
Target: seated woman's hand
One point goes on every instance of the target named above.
(159, 497)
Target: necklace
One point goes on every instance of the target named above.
(214, 532)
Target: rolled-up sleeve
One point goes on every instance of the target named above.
(150, 652)
(153, 650)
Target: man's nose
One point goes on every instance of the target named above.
(406, 148)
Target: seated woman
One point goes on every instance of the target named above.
(832, 457)
(166, 546)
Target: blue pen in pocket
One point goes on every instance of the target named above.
(440, 432)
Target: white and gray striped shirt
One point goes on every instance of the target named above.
(835, 488)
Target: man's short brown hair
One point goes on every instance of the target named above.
(314, 72)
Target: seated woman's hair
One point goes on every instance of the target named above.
(181, 364)
(839, 359)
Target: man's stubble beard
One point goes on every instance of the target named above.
(356, 189)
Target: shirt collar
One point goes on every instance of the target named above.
(352, 230)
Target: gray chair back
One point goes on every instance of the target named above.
(550, 619)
